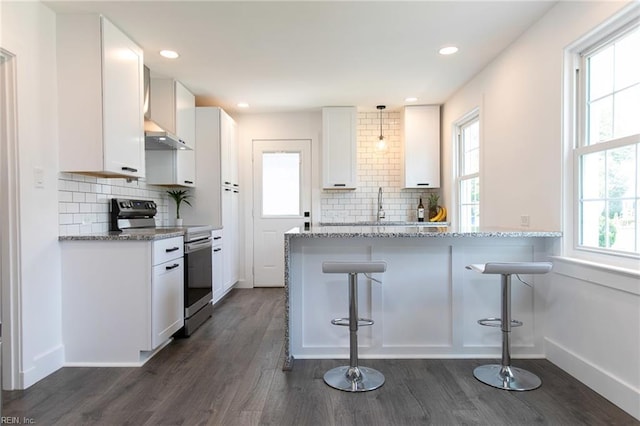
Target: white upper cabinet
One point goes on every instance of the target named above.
(173, 108)
(229, 151)
(100, 88)
(421, 146)
(339, 148)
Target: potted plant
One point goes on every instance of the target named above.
(179, 196)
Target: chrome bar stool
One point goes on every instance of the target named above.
(504, 375)
(353, 378)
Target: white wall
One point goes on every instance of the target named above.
(28, 32)
(593, 320)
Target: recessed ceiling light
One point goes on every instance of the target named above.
(411, 99)
(170, 54)
(448, 50)
(243, 105)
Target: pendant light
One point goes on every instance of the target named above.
(381, 145)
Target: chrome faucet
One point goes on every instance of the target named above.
(380, 211)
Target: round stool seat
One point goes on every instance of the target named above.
(511, 267)
(354, 267)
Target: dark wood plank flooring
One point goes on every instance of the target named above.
(229, 373)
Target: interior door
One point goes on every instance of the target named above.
(281, 196)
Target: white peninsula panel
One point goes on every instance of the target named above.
(427, 305)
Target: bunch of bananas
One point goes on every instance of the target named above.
(441, 216)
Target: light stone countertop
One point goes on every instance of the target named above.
(133, 235)
(410, 231)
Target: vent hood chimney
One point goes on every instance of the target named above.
(155, 137)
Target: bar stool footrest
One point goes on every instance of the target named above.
(497, 322)
(362, 322)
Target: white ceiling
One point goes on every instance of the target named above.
(302, 55)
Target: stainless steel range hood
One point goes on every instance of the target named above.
(161, 140)
(155, 137)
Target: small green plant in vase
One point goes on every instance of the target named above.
(179, 196)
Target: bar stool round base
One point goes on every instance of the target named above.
(507, 378)
(354, 379)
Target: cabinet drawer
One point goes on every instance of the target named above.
(168, 249)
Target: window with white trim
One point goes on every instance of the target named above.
(606, 150)
(468, 172)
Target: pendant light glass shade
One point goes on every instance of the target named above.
(381, 144)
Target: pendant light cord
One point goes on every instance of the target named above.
(381, 107)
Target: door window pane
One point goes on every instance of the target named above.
(281, 184)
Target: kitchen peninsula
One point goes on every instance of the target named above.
(427, 305)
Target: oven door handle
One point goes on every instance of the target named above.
(197, 245)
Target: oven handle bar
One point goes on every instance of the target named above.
(197, 245)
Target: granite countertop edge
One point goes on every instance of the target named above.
(410, 232)
(122, 236)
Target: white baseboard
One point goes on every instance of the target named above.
(612, 388)
(43, 365)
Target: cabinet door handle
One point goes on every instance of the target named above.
(236, 185)
(190, 182)
(339, 184)
(169, 250)
(422, 184)
(174, 266)
(216, 250)
(227, 189)
(129, 169)
(217, 238)
(227, 183)
(236, 192)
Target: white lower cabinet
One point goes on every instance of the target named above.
(121, 300)
(167, 300)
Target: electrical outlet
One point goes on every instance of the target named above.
(524, 220)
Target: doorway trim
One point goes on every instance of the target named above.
(9, 225)
(256, 210)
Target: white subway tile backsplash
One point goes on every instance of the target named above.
(375, 170)
(65, 219)
(85, 201)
